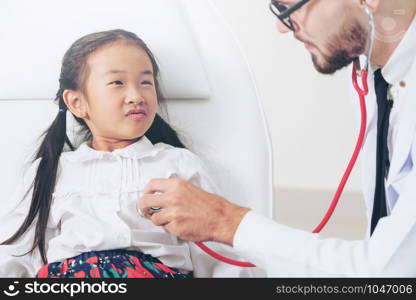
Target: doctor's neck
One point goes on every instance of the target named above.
(392, 20)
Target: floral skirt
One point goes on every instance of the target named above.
(110, 264)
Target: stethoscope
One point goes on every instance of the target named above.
(362, 92)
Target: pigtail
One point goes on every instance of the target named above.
(44, 183)
(162, 132)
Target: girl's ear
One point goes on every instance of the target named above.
(75, 103)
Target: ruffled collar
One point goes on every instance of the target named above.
(142, 148)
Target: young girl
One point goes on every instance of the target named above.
(78, 217)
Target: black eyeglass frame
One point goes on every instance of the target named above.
(284, 15)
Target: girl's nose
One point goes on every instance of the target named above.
(135, 97)
(136, 100)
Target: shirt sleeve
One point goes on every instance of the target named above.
(11, 263)
(193, 170)
(389, 252)
(287, 252)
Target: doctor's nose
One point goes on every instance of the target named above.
(282, 28)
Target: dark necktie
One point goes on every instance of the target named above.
(382, 166)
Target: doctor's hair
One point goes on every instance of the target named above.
(74, 72)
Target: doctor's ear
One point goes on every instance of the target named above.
(75, 103)
(372, 4)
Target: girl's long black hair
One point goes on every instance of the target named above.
(73, 74)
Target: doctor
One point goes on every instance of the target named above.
(335, 33)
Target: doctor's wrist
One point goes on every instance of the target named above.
(230, 220)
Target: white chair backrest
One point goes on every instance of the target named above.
(212, 99)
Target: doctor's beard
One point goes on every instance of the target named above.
(342, 49)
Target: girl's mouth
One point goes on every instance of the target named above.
(136, 114)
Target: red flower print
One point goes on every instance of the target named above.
(165, 268)
(138, 266)
(80, 274)
(119, 271)
(132, 273)
(64, 268)
(92, 260)
(95, 272)
(43, 272)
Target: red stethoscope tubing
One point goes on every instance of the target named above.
(223, 258)
(362, 92)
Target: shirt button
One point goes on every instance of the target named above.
(402, 84)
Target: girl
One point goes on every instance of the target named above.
(78, 217)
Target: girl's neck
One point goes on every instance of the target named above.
(109, 145)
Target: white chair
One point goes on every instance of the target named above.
(212, 99)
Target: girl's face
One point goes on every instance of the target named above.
(119, 101)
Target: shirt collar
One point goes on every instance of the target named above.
(403, 57)
(142, 148)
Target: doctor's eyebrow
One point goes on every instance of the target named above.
(146, 72)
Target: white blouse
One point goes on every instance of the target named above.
(94, 208)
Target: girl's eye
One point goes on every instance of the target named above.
(117, 82)
(147, 83)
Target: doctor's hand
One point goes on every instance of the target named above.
(189, 212)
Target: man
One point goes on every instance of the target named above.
(335, 33)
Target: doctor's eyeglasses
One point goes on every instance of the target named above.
(283, 12)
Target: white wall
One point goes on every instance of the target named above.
(310, 117)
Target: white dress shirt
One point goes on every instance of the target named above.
(284, 251)
(94, 208)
